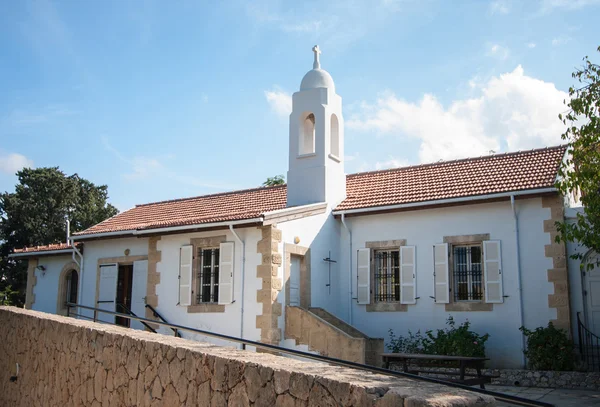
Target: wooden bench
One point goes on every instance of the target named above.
(459, 363)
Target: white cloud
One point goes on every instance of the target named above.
(391, 163)
(280, 101)
(143, 168)
(346, 21)
(305, 27)
(550, 5)
(531, 45)
(562, 40)
(498, 51)
(513, 111)
(499, 7)
(12, 162)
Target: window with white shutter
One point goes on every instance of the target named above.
(467, 272)
(363, 268)
(492, 266)
(386, 276)
(185, 275)
(441, 288)
(408, 272)
(225, 288)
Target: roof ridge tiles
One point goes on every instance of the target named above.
(456, 161)
(239, 191)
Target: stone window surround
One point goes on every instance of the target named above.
(466, 306)
(32, 263)
(62, 286)
(197, 243)
(304, 254)
(383, 306)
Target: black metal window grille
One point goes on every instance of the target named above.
(208, 276)
(387, 276)
(468, 279)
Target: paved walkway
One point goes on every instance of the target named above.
(558, 397)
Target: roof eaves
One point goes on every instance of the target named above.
(447, 201)
(40, 253)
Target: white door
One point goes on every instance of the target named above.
(295, 281)
(138, 291)
(592, 287)
(107, 293)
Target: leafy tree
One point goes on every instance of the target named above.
(35, 214)
(580, 173)
(272, 181)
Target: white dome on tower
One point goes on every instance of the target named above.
(317, 77)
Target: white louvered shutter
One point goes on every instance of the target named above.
(408, 281)
(226, 252)
(441, 279)
(492, 271)
(363, 267)
(185, 275)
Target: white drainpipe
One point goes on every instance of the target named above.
(243, 243)
(68, 231)
(80, 264)
(519, 279)
(349, 269)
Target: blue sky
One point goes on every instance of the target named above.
(167, 100)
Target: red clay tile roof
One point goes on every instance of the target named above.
(223, 207)
(46, 248)
(451, 179)
(532, 169)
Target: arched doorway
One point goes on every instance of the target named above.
(68, 287)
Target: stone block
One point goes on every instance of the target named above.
(561, 287)
(550, 201)
(557, 274)
(559, 262)
(276, 258)
(276, 283)
(554, 249)
(558, 300)
(265, 271)
(550, 225)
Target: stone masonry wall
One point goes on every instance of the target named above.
(68, 362)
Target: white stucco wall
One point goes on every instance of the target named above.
(321, 234)
(424, 228)
(46, 288)
(228, 322)
(99, 249)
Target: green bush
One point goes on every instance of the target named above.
(549, 349)
(452, 341)
(411, 344)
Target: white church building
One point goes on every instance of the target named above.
(331, 262)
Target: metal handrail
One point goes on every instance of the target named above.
(130, 312)
(520, 401)
(156, 314)
(589, 345)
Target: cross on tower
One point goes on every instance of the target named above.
(317, 51)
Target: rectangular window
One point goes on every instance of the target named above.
(468, 280)
(208, 276)
(387, 276)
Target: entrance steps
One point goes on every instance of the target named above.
(324, 333)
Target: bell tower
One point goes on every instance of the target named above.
(316, 161)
